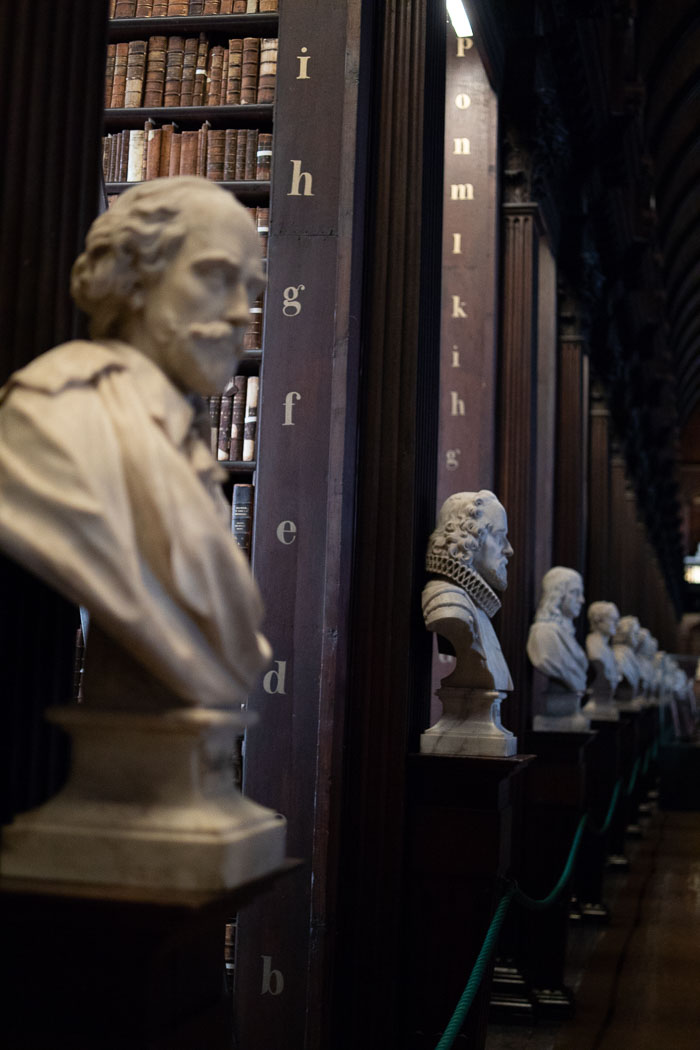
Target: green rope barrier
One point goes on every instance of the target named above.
(546, 902)
(633, 776)
(488, 947)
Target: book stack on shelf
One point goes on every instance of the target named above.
(229, 155)
(174, 8)
(233, 418)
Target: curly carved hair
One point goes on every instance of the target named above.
(555, 584)
(598, 612)
(129, 246)
(627, 631)
(460, 529)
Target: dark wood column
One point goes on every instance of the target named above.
(617, 527)
(517, 442)
(570, 505)
(599, 517)
(51, 96)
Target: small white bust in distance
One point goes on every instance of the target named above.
(625, 641)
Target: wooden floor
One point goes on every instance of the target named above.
(638, 982)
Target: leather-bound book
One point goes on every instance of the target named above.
(200, 73)
(147, 129)
(144, 8)
(268, 5)
(178, 8)
(188, 152)
(240, 155)
(251, 154)
(252, 340)
(252, 7)
(121, 57)
(166, 138)
(235, 69)
(125, 9)
(137, 144)
(153, 137)
(239, 7)
(189, 65)
(262, 221)
(264, 156)
(212, 7)
(109, 73)
(230, 141)
(216, 142)
(135, 73)
(223, 444)
(155, 72)
(110, 165)
(267, 76)
(173, 71)
(249, 73)
(214, 412)
(250, 425)
(175, 150)
(203, 135)
(242, 516)
(226, 7)
(196, 7)
(214, 75)
(112, 9)
(160, 8)
(238, 417)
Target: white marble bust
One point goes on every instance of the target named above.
(603, 618)
(645, 652)
(624, 645)
(468, 555)
(108, 492)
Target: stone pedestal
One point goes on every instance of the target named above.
(562, 714)
(556, 798)
(128, 968)
(150, 801)
(470, 725)
(601, 709)
(459, 828)
(603, 769)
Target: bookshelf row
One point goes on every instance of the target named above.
(220, 154)
(190, 71)
(180, 8)
(233, 418)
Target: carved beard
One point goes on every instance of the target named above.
(497, 579)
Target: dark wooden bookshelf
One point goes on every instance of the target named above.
(265, 24)
(248, 191)
(238, 467)
(191, 116)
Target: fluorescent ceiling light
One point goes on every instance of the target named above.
(459, 18)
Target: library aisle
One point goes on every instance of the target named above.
(639, 987)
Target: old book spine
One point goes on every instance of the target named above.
(160, 8)
(189, 65)
(250, 425)
(148, 127)
(242, 516)
(239, 7)
(252, 340)
(267, 75)
(173, 71)
(125, 9)
(188, 153)
(268, 5)
(112, 9)
(214, 412)
(203, 135)
(113, 158)
(105, 157)
(109, 73)
(144, 8)
(153, 153)
(196, 7)
(200, 73)
(235, 66)
(223, 447)
(263, 156)
(252, 7)
(166, 138)
(123, 156)
(135, 73)
(249, 71)
(137, 141)
(214, 75)
(230, 139)
(226, 7)
(175, 148)
(240, 155)
(216, 144)
(211, 7)
(251, 152)
(238, 417)
(263, 226)
(155, 72)
(121, 57)
(178, 8)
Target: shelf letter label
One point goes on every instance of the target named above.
(456, 404)
(462, 146)
(291, 307)
(286, 529)
(464, 44)
(452, 458)
(297, 176)
(455, 357)
(456, 243)
(463, 101)
(303, 64)
(458, 307)
(273, 682)
(462, 191)
(289, 400)
(272, 980)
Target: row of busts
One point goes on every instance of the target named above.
(620, 669)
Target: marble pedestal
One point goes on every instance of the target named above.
(601, 709)
(470, 725)
(562, 714)
(150, 801)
